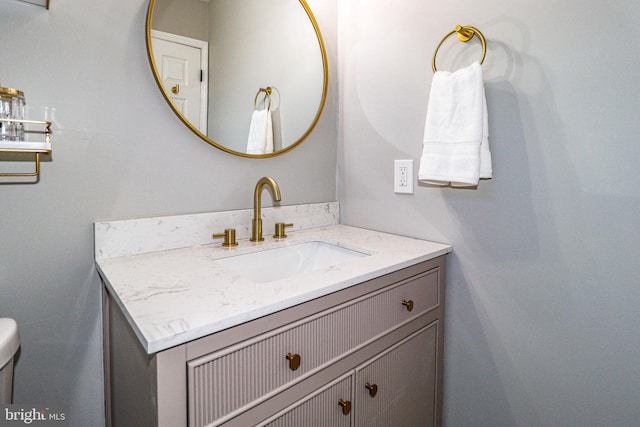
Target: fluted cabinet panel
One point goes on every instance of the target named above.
(237, 378)
(405, 382)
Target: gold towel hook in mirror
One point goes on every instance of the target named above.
(267, 90)
(465, 33)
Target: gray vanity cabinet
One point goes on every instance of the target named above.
(367, 355)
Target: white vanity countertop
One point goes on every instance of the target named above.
(174, 296)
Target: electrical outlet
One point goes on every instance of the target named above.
(403, 176)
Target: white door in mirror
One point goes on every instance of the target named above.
(180, 66)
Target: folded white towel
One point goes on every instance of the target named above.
(260, 140)
(455, 148)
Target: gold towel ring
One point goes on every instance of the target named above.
(465, 33)
(267, 90)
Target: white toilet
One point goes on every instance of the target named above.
(9, 343)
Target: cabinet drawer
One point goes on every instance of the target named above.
(223, 384)
(326, 407)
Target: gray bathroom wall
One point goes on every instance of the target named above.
(189, 18)
(543, 289)
(119, 152)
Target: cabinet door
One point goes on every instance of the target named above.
(329, 406)
(398, 387)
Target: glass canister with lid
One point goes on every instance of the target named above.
(11, 108)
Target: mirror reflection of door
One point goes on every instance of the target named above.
(182, 63)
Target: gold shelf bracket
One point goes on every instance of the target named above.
(36, 172)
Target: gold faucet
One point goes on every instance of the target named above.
(256, 223)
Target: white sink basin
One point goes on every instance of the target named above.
(288, 261)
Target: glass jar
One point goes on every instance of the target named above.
(11, 107)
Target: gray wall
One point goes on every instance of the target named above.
(121, 152)
(543, 286)
(189, 18)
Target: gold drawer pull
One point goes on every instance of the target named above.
(373, 389)
(294, 361)
(408, 304)
(176, 89)
(346, 406)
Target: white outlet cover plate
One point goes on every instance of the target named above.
(403, 176)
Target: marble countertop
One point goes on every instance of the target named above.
(174, 296)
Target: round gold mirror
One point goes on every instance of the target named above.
(247, 76)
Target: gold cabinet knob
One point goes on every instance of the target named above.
(229, 237)
(373, 389)
(175, 89)
(280, 226)
(408, 304)
(346, 406)
(294, 361)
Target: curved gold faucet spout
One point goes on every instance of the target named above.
(256, 223)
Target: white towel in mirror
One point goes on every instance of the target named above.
(260, 140)
(276, 124)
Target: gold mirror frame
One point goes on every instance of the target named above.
(219, 145)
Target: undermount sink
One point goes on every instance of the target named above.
(288, 261)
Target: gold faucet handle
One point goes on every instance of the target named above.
(229, 235)
(280, 226)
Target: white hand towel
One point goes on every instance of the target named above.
(260, 140)
(455, 148)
